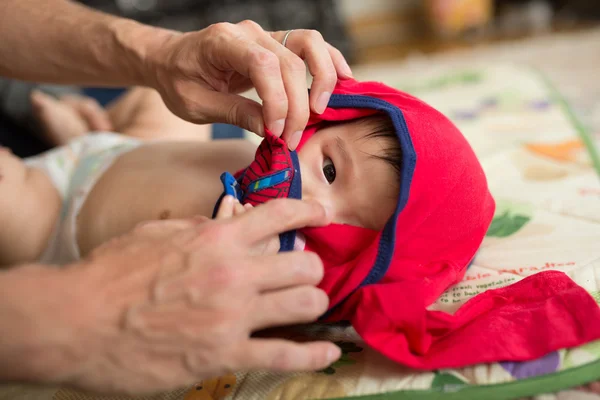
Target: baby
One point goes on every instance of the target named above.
(59, 206)
(410, 201)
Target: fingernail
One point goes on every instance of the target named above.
(322, 102)
(295, 140)
(228, 199)
(276, 127)
(333, 354)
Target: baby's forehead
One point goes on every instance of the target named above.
(358, 128)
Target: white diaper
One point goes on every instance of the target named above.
(74, 169)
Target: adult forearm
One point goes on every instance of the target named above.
(35, 323)
(63, 42)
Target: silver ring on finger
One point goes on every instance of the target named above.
(285, 38)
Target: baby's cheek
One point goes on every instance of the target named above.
(383, 213)
(317, 191)
(310, 190)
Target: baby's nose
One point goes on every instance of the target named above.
(308, 192)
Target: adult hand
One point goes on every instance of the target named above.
(174, 302)
(198, 75)
(230, 207)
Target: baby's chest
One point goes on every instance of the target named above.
(135, 191)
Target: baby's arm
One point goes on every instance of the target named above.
(29, 207)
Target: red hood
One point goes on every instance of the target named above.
(443, 211)
(383, 282)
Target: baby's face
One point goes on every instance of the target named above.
(339, 171)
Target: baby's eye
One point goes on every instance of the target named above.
(329, 170)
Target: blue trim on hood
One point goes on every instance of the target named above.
(387, 241)
(287, 239)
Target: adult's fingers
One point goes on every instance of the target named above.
(311, 46)
(284, 355)
(225, 208)
(278, 216)
(230, 109)
(164, 227)
(296, 305)
(200, 219)
(262, 67)
(293, 74)
(326, 63)
(180, 232)
(238, 208)
(287, 269)
(341, 66)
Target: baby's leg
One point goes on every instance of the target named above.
(70, 116)
(29, 207)
(141, 113)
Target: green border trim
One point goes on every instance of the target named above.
(548, 383)
(582, 130)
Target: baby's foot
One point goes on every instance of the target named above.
(66, 118)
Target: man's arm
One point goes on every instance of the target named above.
(63, 42)
(169, 299)
(33, 329)
(198, 74)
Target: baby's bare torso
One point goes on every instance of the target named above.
(161, 180)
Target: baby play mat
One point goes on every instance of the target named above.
(544, 174)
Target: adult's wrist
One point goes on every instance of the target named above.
(39, 322)
(141, 46)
